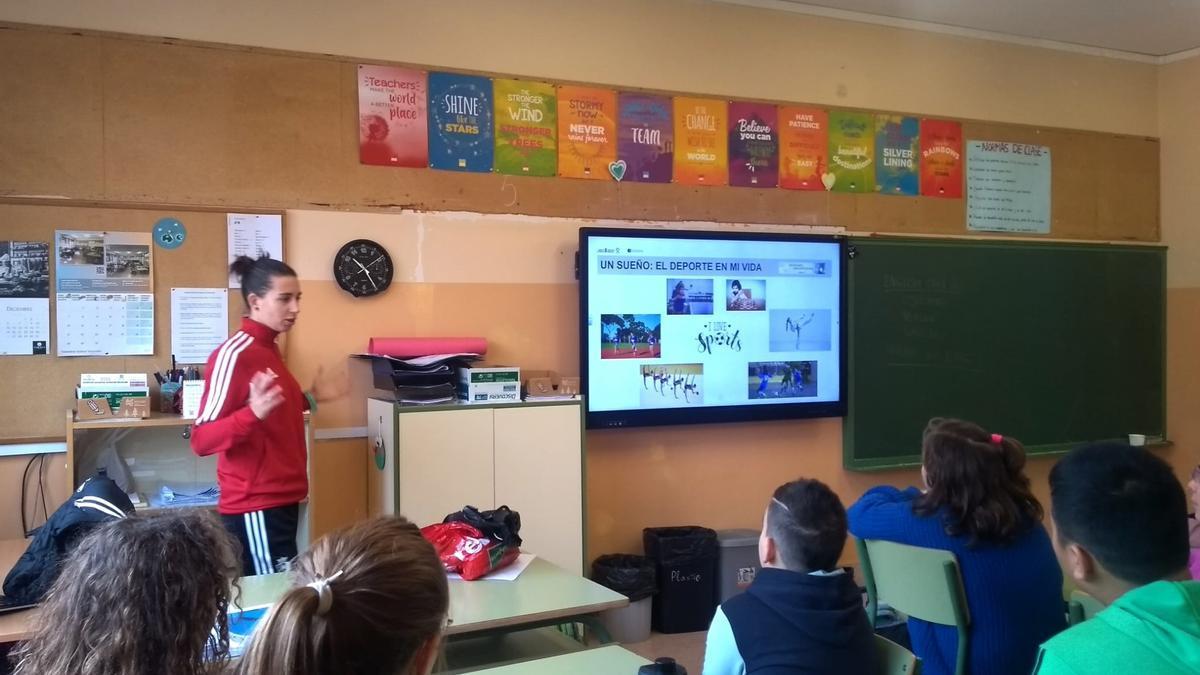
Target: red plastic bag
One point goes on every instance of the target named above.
(465, 550)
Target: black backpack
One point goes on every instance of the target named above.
(99, 500)
(502, 525)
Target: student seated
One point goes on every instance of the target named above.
(802, 613)
(370, 599)
(1120, 530)
(1193, 487)
(138, 596)
(977, 505)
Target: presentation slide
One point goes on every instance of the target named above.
(694, 323)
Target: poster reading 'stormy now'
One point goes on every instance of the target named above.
(526, 126)
(587, 132)
(393, 128)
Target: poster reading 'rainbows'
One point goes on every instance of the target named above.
(852, 151)
(587, 132)
(526, 128)
(393, 129)
(803, 147)
(941, 159)
(701, 150)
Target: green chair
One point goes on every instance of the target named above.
(894, 659)
(922, 583)
(1082, 607)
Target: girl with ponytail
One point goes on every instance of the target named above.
(978, 505)
(370, 599)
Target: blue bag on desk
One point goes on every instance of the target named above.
(99, 500)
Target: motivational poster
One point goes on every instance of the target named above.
(702, 153)
(753, 145)
(460, 122)
(587, 132)
(392, 123)
(803, 147)
(896, 156)
(941, 159)
(851, 152)
(645, 138)
(1008, 187)
(526, 126)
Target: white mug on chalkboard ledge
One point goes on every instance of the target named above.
(1137, 440)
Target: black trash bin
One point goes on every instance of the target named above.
(634, 577)
(686, 561)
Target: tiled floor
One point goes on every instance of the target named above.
(686, 648)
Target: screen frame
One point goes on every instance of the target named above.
(643, 417)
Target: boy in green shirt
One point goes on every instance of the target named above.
(1121, 533)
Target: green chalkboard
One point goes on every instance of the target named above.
(1053, 344)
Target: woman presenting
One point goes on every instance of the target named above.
(252, 417)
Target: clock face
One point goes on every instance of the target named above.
(362, 268)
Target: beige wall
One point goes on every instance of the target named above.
(716, 475)
(673, 45)
(1178, 111)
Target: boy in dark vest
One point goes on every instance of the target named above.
(802, 613)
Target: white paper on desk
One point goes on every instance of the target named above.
(509, 573)
(254, 235)
(199, 322)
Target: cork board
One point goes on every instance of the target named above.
(165, 121)
(38, 389)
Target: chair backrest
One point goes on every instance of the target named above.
(923, 583)
(894, 659)
(1083, 607)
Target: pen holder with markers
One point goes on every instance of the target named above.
(169, 398)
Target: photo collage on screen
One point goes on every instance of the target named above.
(682, 324)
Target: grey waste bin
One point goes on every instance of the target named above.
(737, 561)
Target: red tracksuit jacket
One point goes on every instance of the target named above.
(261, 464)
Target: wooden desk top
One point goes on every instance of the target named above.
(543, 592)
(14, 626)
(599, 661)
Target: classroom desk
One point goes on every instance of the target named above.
(14, 626)
(543, 595)
(610, 660)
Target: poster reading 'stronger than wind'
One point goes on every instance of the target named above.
(1008, 187)
(392, 123)
(526, 128)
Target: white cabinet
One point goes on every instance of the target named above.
(425, 462)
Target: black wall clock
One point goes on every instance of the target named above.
(363, 268)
